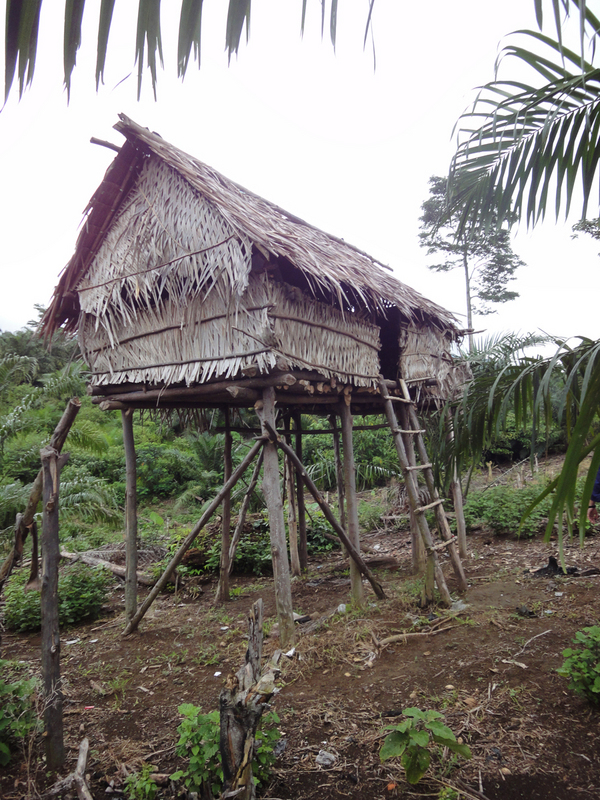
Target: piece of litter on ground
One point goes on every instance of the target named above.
(548, 611)
(88, 708)
(341, 609)
(325, 759)
(290, 653)
(93, 641)
(72, 641)
(459, 605)
(558, 594)
(225, 628)
(516, 663)
(217, 674)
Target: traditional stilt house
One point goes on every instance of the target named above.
(189, 292)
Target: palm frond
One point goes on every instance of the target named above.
(22, 28)
(520, 142)
(85, 435)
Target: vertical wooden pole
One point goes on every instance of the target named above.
(339, 474)
(358, 593)
(302, 543)
(419, 558)
(131, 543)
(272, 492)
(289, 472)
(223, 585)
(52, 464)
(457, 498)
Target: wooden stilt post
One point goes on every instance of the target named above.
(290, 473)
(272, 493)
(302, 543)
(243, 511)
(339, 474)
(131, 543)
(328, 513)
(222, 593)
(457, 499)
(358, 593)
(52, 464)
(216, 502)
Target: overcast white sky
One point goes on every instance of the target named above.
(323, 135)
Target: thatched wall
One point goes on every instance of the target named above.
(426, 363)
(210, 338)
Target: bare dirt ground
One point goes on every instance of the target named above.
(490, 670)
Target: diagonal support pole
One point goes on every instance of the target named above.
(329, 516)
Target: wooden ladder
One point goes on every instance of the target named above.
(405, 438)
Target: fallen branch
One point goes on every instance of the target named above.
(400, 637)
(76, 778)
(522, 650)
(94, 561)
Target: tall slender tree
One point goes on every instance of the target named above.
(486, 257)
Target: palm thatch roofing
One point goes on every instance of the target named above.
(331, 267)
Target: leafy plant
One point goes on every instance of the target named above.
(411, 738)
(502, 509)
(17, 712)
(582, 664)
(199, 741)
(81, 592)
(139, 785)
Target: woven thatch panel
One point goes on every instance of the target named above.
(313, 335)
(166, 246)
(425, 357)
(209, 338)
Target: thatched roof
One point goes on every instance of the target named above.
(329, 265)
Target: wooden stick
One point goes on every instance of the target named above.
(329, 516)
(163, 580)
(56, 442)
(272, 492)
(358, 592)
(222, 592)
(52, 464)
(302, 541)
(130, 516)
(77, 777)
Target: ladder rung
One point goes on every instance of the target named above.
(422, 509)
(401, 430)
(442, 545)
(397, 399)
(419, 466)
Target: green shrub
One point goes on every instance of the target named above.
(164, 471)
(502, 509)
(411, 739)
(139, 785)
(81, 592)
(582, 665)
(17, 712)
(199, 742)
(369, 515)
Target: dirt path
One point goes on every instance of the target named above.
(492, 674)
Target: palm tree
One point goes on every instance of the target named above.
(522, 148)
(22, 27)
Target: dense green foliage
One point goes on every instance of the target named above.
(17, 709)
(501, 508)
(81, 592)
(199, 742)
(582, 664)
